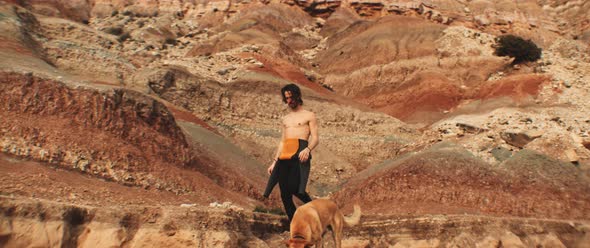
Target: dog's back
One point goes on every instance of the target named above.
(326, 210)
(311, 219)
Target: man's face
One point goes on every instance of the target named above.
(290, 100)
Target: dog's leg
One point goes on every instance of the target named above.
(338, 238)
(332, 233)
(337, 225)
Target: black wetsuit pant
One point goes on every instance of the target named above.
(289, 173)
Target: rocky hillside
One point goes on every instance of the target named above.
(178, 102)
(53, 225)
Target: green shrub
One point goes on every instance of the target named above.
(518, 48)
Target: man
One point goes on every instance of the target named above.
(291, 163)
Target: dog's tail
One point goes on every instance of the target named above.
(355, 218)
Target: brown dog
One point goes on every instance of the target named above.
(312, 219)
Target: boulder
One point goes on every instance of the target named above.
(519, 138)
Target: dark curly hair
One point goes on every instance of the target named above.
(295, 93)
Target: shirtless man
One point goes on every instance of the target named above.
(291, 163)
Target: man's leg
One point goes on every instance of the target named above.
(305, 198)
(302, 174)
(288, 183)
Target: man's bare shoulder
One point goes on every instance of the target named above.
(301, 115)
(307, 112)
(310, 114)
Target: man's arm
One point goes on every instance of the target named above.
(278, 153)
(314, 140)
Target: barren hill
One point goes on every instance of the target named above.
(449, 180)
(153, 122)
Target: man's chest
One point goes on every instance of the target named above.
(295, 120)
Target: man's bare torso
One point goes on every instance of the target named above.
(296, 125)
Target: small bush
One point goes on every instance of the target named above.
(170, 41)
(124, 37)
(113, 30)
(518, 48)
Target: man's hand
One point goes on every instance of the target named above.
(304, 155)
(271, 167)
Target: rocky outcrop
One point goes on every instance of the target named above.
(452, 181)
(468, 231)
(176, 84)
(19, 31)
(315, 8)
(116, 134)
(368, 8)
(78, 10)
(48, 224)
(519, 139)
(84, 10)
(86, 51)
(252, 26)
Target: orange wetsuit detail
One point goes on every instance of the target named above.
(290, 147)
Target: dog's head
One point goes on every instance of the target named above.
(297, 242)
